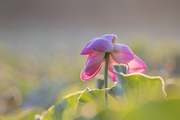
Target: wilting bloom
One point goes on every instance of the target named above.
(119, 54)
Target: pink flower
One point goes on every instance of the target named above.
(119, 54)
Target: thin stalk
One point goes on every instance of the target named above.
(106, 77)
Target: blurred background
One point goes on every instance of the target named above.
(40, 42)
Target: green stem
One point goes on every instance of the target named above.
(106, 77)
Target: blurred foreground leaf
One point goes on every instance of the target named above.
(66, 110)
(136, 89)
(168, 110)
(172, 90)
(106, 114)
(25, 115)
(28, 115)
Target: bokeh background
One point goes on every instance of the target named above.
(40, 42)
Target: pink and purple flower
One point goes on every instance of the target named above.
(119, 54)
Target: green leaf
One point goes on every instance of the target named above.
(100, 82)
(66, 110)
(135, 89)
(108, 115)
(93, 101)
(168, 110)
(28, 114)
(105, 114)
(121, 68)
(82, 118)
(6, 117)
(95, 97)
(173, 90)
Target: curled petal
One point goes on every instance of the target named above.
(122, 54)
(86, 51)
(111, 37)
(101, 44)
(86, 77)
(93, 63)
(111, 72)
(136, 65)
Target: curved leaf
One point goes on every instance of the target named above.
(136, 89)
(93, 101)
(66, 110)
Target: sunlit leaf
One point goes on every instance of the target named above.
(106, 114)
(136, 89)
(24, 115)
(28, 115)
(66, 110)
(93, 101)
(83, 118)
(95, 97)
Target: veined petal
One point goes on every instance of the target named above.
(93, 63)
(122, 54)
(111, 72)
(136, 65)
(86, 77)
(101, 44)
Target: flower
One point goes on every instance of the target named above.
(119, 54)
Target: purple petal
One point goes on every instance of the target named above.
(111, 72)
(122, 54)
(93, 63)
(110, 37)
(85, 77)
(101, 44)
(136, 65)
(86, 51)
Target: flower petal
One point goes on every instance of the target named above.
(136, 65)
(111, 37)
(122, 54)
(101, 44)
(86, 77)
(111, 72)
(93, 63)
(86, 51)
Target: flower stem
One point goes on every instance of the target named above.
(106, 77)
